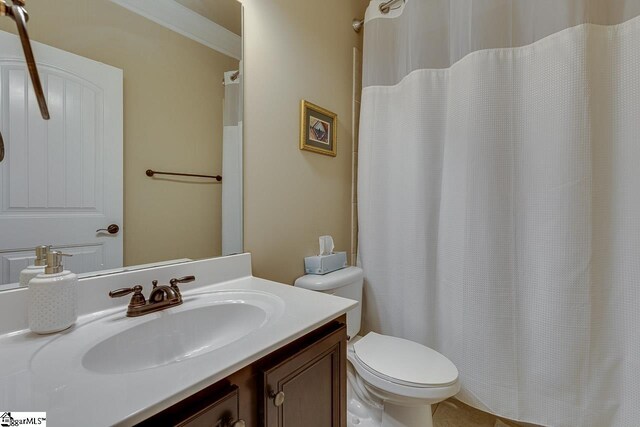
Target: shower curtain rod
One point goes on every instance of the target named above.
(233, 77)
(384, 8)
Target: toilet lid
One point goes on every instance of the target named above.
(405, 362)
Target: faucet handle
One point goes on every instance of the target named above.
(174, 283)
(125, 291)
(185, 279)
(136, 300)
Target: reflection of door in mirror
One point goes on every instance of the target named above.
(62, 179)
(170, 57)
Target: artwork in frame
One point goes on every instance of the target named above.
(318, 129)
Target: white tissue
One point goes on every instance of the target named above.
(326, 245)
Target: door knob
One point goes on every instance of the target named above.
(278, 398)
(111, 229)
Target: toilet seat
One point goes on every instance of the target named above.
(404, 362)
(399, 390)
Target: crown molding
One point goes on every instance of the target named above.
(182, 20)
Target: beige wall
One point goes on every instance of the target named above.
(226, 13)
(173, 120)
(296, 49)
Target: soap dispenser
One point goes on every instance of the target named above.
(38, 265)
(53, 297)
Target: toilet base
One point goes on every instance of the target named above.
(368, 406)
(360, 415)
(366, 410)
(406, 416)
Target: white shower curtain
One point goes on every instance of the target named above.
(499, 199)
(232, 218)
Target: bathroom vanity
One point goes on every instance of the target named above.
(239, 351)
(300, 384)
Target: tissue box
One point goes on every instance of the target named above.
(323, 264)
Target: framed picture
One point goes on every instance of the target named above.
(318, 129)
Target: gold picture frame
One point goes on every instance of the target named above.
(318, 129)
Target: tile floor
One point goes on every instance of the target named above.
(452, 413)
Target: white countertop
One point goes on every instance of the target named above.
(84, 398)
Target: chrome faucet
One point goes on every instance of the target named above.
(161, 297)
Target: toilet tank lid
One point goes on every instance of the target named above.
(329, 281)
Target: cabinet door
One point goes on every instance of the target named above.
(308, 388)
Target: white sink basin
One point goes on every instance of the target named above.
(174, 337)
(115, 344)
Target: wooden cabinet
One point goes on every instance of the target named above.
(302, 384)
(308, 387)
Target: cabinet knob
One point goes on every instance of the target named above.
(278, 398)
(228, 422)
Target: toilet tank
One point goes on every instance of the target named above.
(346, 283)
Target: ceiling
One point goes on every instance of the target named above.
(226, 13)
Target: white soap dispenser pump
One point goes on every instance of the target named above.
(38, 265)
(53, 297)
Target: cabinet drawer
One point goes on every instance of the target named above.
(221, 413)
(215, 406)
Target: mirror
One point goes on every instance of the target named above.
(141, 160)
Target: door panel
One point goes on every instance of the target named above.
(307, 408)
(85, 258)
(311, 385)
(62, 178)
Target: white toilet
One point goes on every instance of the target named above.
(392, 382)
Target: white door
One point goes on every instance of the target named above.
(61, 180)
